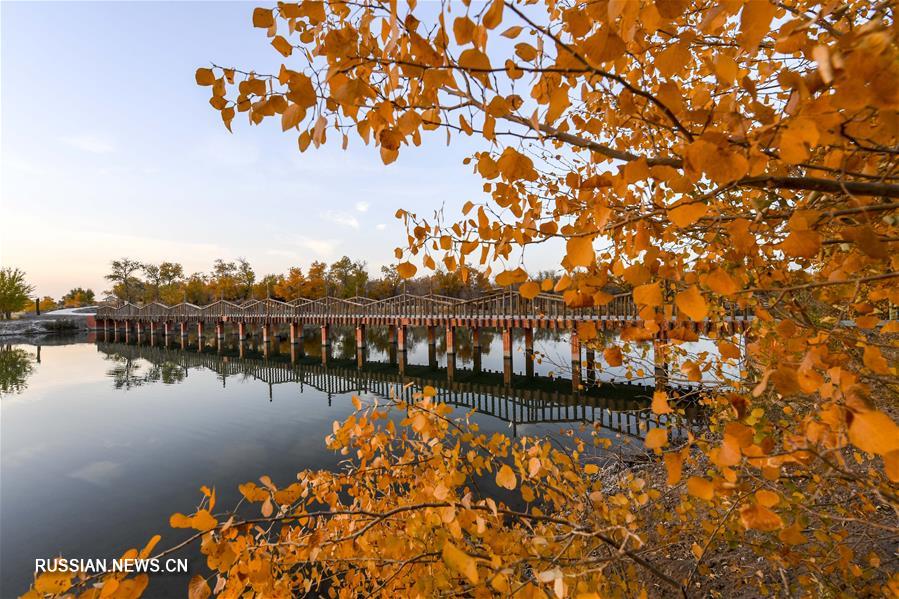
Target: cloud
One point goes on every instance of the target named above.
(380, 226)
(90, 143)
(362, 206)
(340, 218)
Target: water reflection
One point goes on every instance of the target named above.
(16, 365)
(620, 408)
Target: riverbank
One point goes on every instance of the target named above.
(58, 322)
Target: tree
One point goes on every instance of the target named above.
(153, 281)
(292, 286)
(198, 291)
(268, 287)
(223, 280)
(316, 282)
(347, 278)
(78, 297)
(712, 159)
(13, 291)
(245, 277)
(124, 284)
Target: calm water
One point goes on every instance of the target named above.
(102, 441)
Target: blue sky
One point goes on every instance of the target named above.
(108, 149)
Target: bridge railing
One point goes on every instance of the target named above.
(502, 304)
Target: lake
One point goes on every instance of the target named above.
(102, 440)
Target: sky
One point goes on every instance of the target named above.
(108, 148)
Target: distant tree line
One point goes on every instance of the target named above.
(167, 282)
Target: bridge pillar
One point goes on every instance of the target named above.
(450, 367)
(127, 325)
(242, 331)
(401, 337)
(167, 328)
(476, 338)
(575, 361)
(115, 330)
(183, 326)
(296, 333)
(326, 343)
(529, 352)
(360, 345)
(200, 329)
(450, 339)
(138, 328)
(432, 335)
(152, 328)
(591, 366)
(507, 356)
(219, 330)
(391, 334)
(266, 333)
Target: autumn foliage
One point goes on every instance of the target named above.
(709, 156)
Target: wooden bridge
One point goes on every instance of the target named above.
(622, 413)
(502, 310)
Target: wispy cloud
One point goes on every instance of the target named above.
(90, 143)
(344, 219)
(362, 206)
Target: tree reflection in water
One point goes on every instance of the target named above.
(16, 365)
(128, 372)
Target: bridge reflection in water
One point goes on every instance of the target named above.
(620, 408)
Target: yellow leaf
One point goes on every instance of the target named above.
(512, 32)
(460, 561)
(767, 498)
(686, 213)
(529, 290)
(700, 487)
(755, 22)
(53, 583)
(874, 432)
(792, 535)
(282, 45)
(720, 282)
(580, 251)
(179, 521)
(691, 303)
(203, 521)
(728, 350)
(205, 77)
(406, 270)
(263, 18)
(494, 15)
(506, 477)
(657, 437)
(660, 403)
(511, 277)
(197, 588)
(292, 116)
(891, 465)
(612, 356)
(648, 295)
(759, 517)
(674, 466)
(874, 360)
(591, 469)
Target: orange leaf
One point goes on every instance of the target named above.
(874, 360)
(648, 295)
(656, 438)
(760, 518)
(691, 303)
(685, 214)
(506, 478)
(660, 403)
(802, 243)
(720, 282)
(674, 466)
(612, 356)
(874, 432)
(529, 290)
(580, 251)
(700, 487)
(406, 270)
(197, 588)
(460, 561)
